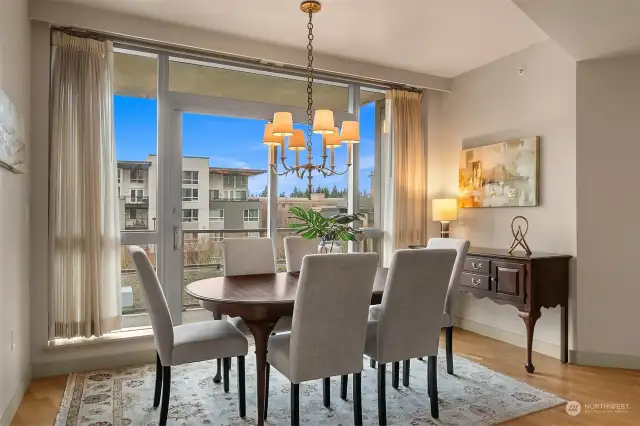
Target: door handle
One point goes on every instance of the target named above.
(177, 238)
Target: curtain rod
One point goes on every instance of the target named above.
(204, 54)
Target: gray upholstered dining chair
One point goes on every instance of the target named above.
(329, 326)
(408, 324)
(453, 294)
(296, 248)
(246, 256)
(187, 343)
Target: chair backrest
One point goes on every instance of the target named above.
(411, 311)
(248, 256)
(156, 304)
(453, 293)
(329, 325)
(296, 248)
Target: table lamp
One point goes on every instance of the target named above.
(444, 210)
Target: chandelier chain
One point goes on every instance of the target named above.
(310, 82)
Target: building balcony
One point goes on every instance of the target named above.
(132, 224)
(137, 201)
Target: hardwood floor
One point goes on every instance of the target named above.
(587, 385)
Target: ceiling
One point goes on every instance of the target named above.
(438, 37)
(588, 29)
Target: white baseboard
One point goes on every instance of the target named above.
(539, 346)
(16, 399)
(54, 368)
(606, 360)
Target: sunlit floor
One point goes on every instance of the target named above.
(587, 385)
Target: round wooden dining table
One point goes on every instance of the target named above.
(261, 300)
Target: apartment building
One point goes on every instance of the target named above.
(212, 197)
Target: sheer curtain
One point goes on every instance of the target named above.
(409, 169)
(84, 230)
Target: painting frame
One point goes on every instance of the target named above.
(500, 174)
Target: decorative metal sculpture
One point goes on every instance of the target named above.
(518, 234)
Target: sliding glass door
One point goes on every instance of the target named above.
(209, 176)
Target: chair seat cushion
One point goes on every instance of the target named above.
(207, 340)
(374, 314)
(278, 353)
(283, 324)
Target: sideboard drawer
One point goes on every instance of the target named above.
(477, 265)
(481, 282)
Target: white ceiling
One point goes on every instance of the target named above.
(438, 37)
(588, 29)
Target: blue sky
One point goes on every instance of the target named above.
(230, 142)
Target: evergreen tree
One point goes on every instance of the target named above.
(282, 194)
(264, 192)
(334, 192)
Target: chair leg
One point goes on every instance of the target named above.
(449, 338)
(218, 377)
(433, 385)
(395, 375)
(344, 382)
(406, 369)
(295, 404)
(357, 399)
(156, 395)
(266, 393)
(372, 363)
(166, 394)
(382, 397)
(242, 401)
(227, 367)
(326, 391)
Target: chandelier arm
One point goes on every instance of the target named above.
(341, 173)
(284, 164)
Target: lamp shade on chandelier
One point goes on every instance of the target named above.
(319, 122)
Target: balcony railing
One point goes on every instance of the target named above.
(137, 200)
(212, 198)
(142, 223)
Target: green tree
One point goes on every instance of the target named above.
(264, 192)
(334, 192)
(282, 194)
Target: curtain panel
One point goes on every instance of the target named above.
(409, 169)
(84, 229)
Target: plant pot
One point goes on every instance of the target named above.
(330, 247)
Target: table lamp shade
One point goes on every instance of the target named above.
(444, 209)
(282, 124)
(323, 122)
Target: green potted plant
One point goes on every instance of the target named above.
(331, 230)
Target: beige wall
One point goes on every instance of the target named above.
(494, 103)
(608, 130)
(14, 211)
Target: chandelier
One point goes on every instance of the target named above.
(319, 122)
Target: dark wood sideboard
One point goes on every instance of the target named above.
(528, 282)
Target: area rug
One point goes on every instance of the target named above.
(474, 395)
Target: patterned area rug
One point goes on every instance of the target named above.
(475, 396)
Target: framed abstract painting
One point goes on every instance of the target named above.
(504, 174)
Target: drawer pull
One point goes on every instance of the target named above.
(475, 281)
(475, 265)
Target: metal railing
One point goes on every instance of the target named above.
(136, 200)
(142, 223)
